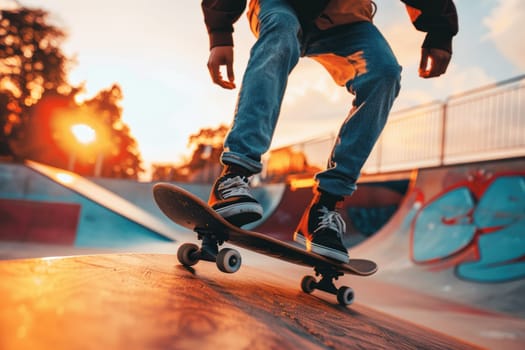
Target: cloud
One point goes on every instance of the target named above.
(308, 78)
(313, 105)
(405, 41)
(313, 94)
(505, 23)
(8, 5)
(394, 23)
(458, 79)
(412, 97)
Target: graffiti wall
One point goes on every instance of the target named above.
(475, 224)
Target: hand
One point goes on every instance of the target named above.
(434, 62)
(221, 56)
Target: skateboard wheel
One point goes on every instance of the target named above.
(188, 254)
(345, 296)
(228, 260)
(308, 284)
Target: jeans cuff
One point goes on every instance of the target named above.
(335, 186)
(231, 158)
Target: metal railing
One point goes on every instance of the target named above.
(483, 124)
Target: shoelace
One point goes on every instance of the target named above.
(331, 220)
(235, 186)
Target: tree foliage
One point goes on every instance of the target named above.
(31, 63)
(119, 149)
(213, 137)
(203, 165)
(207, 146)
(37, 104)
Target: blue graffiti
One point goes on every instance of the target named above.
(434, 236)
(493, 225)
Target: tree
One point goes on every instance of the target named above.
(207, 146)
(204, 164)
(9, 112)
(213, 137)
(45, 131)
(31, 63)
(38, 107)
(121, 156)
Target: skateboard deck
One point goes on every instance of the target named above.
(189, 211)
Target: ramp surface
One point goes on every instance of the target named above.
(451, 259)
(95, 216)
(141, 194)
(460, 233)
(148, 302)
(458, 236)
(365, 212)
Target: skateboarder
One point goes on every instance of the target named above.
(340, 35)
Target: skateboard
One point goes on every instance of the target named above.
(189, 211)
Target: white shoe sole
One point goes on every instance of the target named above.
(240, 208)
(321, 250)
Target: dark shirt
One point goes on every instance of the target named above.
(438, 18)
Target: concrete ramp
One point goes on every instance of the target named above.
(43, 204)
(137, 301)
(451, 259)
(40, 203)
(140, 193)
(459, 234)
(365, 212)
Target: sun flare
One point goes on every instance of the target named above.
(84, 133)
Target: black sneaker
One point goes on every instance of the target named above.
(321, 231)
(231, 198)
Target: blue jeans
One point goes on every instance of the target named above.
(358, 57)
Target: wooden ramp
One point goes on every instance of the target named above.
(139, 301)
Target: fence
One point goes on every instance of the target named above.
(483, 124)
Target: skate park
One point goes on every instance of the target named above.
(96, 259)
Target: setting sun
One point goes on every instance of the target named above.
(84, 133)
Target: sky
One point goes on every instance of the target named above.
(157, 50)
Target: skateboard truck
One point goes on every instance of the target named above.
(209, 246)
(345, 295)
(227, 259)
(209, 236)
